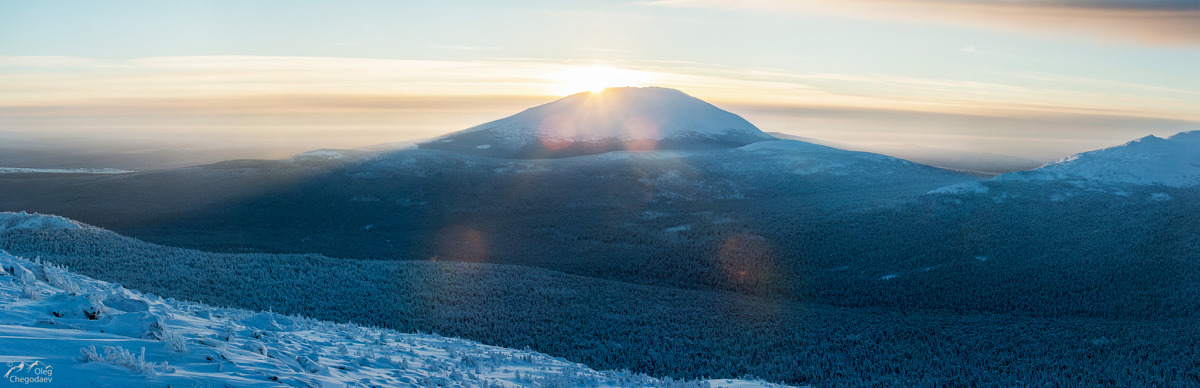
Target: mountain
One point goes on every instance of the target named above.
(616, 119)
(414, 203)
(65, 329)
(980, 163)
(637, 151)
(1151, 160)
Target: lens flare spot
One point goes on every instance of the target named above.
(556, 131)
(640, 134)
(746, 260)
(461, 243)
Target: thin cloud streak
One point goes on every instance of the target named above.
(281, 104)
(306, 83)
(1171, 22)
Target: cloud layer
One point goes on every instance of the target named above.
(302, 103)
(1162, 22)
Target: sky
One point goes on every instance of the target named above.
(1034, 78)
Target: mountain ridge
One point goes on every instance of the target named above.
(1150, 160)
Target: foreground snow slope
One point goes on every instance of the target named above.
(64, 329)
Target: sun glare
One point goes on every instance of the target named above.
(595, 79)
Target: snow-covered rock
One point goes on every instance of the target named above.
(92, 333)
(1174, 161)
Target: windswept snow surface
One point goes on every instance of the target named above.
(1174, 161)
(65, 330)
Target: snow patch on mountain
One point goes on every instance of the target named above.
(23, 220)
(1151, 160)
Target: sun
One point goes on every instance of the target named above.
(595, 79)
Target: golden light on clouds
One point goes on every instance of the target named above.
(596, 78)
(1164, 22)
(305, 103)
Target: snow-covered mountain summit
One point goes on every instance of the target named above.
(613, 120)
(1174, 161)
